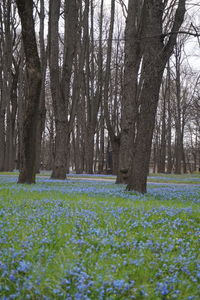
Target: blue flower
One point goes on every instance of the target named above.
(24, 266)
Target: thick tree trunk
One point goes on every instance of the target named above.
(60, 87)
(60, 161)
(142, 151)
(130, 93)
(151, 77)
(29, 138)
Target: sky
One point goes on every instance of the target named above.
(192, 47)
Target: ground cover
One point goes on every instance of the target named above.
(158, 178)
(86, 239)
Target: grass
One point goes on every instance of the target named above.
(78, 239)
(159, 178)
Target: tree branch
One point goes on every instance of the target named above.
(178, 20)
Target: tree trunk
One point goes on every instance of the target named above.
(2, 120)
(115, 155)
(101, 148)
(111, 124)
(21, 109)
(60, 87)
(151, 78)
(161, 168)
(130, 102)
(11, 120)
(169, 124)
(142, 151)
(33, 71)
(89, 149)
(94, 97)
(178, 145)
(42, 109)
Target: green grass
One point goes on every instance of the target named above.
(91, 240)
(162, 178)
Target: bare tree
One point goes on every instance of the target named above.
(60, 83)
(147, 50)
(33, 73)
(114, 138)
(43, 60)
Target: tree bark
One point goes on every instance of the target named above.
(60, 84)
(130, 103)
(162, 154)
(178, 145)
(42, 108)
(33, 71)
(93, 96)
(2, 103)
(155, 56)
(169, 123)
(111, 126)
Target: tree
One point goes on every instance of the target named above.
(34, 80)
(93, 96)
(147, 50)
(61, 83)
(43, 59)
(114, 138)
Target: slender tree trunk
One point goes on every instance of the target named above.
(111, 126)
(42, 109)
(2, 119)
(115, 155)
(94, 97)
(2, 101)
(169, 124)
(60, 111)
(7, 77)
(12, 120)
(21, 108)
(2, 137)
(178, 146)
(101, 150)
(161, 168)
(89, 149)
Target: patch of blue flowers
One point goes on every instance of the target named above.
(164, 190)
(92, 240)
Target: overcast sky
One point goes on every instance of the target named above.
(192, 48)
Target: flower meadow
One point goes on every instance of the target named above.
(90, 239)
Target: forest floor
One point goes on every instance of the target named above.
(157, 178)
(91, 239)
